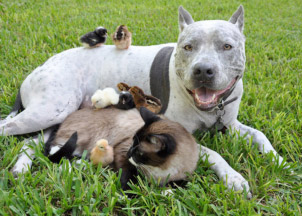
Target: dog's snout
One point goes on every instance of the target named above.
(204, 72)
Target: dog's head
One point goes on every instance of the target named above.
(210, 57)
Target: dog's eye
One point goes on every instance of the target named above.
(188, 47)
(227, 47)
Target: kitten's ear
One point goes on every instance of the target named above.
(148, 116)
(164, 143)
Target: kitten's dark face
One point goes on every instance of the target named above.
(151, 149)
(153, 146)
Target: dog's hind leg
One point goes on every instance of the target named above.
(39, 116)
(259, 139)
(26, 156)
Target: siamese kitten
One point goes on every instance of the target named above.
(160, 148)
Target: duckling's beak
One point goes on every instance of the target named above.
(93, 101)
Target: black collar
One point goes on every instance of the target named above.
(223, 102)
(159, 77)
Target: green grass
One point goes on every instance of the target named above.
(32, 31)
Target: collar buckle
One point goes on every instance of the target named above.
(220, 106)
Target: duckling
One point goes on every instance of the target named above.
(122, 37)
(102, 153)
(125, 101)
(123, 86)
(103, 98)
(140, 98)
(95, 38)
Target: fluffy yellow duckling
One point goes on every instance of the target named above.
(102, 153)
(103, 98)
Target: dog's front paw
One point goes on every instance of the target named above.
(22, 165)
(2, 121)
(19, 168)
(236, 182)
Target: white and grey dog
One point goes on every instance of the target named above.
(198, 79)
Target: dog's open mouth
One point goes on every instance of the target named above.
(207, 99)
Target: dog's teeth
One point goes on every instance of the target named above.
(214, 95)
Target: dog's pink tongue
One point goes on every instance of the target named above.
(204, 94)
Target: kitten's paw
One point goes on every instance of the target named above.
(236, 182)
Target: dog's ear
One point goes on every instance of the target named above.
(184, 18)
(238, 18)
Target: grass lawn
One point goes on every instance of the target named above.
(31, 31)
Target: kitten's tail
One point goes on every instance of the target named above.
(66, 151)
(51, 138)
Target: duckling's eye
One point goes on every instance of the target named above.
(188, 47)
(227, 47)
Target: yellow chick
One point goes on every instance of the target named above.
(122, 37)
(102, 153)
(103, 98)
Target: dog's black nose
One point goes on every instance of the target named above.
(204, 72)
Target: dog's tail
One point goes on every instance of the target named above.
(66, 151)
(18, 106)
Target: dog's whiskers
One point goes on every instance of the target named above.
(235, 68)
